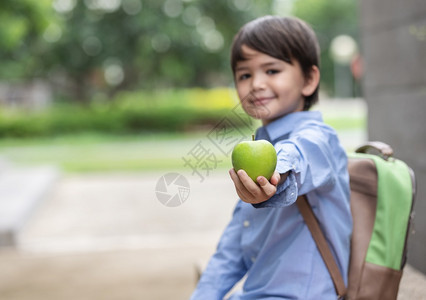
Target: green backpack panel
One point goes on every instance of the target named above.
(382, 200)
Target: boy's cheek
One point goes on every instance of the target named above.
(243, 91)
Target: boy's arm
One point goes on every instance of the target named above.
(226, 267)
(304, 163)
(310, 161)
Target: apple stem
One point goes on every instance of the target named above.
(252, 137)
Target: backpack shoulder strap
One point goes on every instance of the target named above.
(318, 236)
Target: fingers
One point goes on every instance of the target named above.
(247, 182)
(268, 188)
(248, 190)
(239, 187)
(245, 187)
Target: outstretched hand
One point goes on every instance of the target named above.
(251, 192)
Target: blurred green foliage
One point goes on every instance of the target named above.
(167, 111)
(21, 44)
(94, 49)
(88, 47)
(131, 112)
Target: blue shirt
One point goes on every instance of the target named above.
(270, 242)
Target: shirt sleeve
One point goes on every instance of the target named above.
(226, 267)
(308, 158)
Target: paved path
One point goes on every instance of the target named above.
(105, 236)
(108, 237)
(21, 190)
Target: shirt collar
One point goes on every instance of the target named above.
(287, 123)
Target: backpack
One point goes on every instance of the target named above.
(382, 199)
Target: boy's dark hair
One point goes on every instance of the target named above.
(284, 38)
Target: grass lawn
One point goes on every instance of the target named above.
(92, 152)
(99, 152)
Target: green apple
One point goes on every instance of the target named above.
(257, 158)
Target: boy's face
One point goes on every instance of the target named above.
(269, 87)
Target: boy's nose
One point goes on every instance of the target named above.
(258, 83)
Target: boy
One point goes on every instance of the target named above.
(276, 70)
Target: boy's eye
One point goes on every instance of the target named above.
(244, 76)
(272, 71)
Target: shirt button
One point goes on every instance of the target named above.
(253, 259)
(246, 223)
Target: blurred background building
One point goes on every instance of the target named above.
(394, 52)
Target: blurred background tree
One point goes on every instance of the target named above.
(102, 46)
(93, 48)
(21, 43)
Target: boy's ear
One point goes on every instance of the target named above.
(311, 83)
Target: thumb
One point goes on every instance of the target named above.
(275, 179)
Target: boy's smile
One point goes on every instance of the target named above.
(269, 87)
